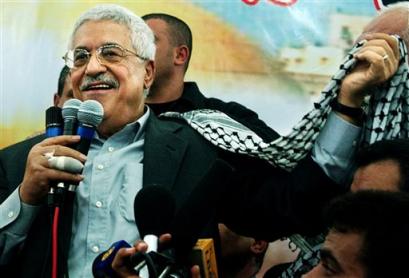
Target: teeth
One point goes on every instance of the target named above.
(101, 86)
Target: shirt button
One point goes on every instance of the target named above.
(100, 167)
(10, 214)
(95, 249)
(98, 204)
(110, 149)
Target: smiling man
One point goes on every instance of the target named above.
(111, 57)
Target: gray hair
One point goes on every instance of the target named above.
(142, 37)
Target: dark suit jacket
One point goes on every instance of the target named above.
(174, 156)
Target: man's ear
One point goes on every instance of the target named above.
(56, 99)
(259, 246)
(149, 74)
(182, 55)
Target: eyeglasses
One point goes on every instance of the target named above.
(106, 55)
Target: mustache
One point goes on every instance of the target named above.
(104, 78)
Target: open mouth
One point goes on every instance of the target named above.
(97, 87)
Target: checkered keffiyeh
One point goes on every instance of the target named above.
(387, 117)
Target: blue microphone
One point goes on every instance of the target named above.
(90, 115)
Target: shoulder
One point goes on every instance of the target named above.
(174, 129)
(22, 147)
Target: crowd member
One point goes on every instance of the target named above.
(241, 257)
(113, 63)
(383, 165)
(64, 91)
(367, 237)
(169, 91)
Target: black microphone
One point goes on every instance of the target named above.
(154, 208)
(90, 115)
(198, 210)
(53, 122)
(69, 114)
(53, 127)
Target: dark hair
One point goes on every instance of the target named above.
(65, 71)
(180, 33)
(381, 217)
(396, 150)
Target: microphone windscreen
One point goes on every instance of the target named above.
(199, 208)
(70, 108)
(154, 209)
(90, 113)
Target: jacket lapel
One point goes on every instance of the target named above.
(163, 152)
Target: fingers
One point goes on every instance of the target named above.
(390, 40)
(165, 238)
(119, 264)
(65, 163)
(381, 44)
(141, 246)
(58, 175)
(164, 241)
(195, 271)
(58, 150)
(38, 172)
(60, 140)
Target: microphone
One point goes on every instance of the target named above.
(53, 122)
(90, 115)
(69, 114)
(53, 127)
(154, 208)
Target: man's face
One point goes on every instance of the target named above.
(381, 175)
(164, 56)
(118, 87)
(340, 257)
(66, 93)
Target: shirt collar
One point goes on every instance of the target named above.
(129, 133)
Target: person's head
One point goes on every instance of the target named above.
(383, 165)
(173, 39)
(111, 58)
(240, 256)
(64, 89)
(392, 20)
(368, 236)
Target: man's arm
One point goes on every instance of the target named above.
(15, 221)
(337, 143)
(20, 208)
